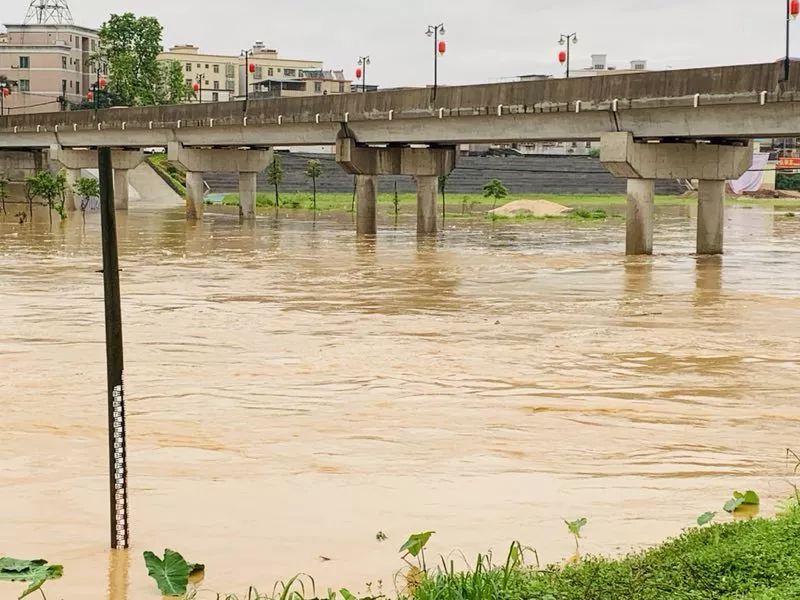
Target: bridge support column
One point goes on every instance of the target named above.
(642, 163)
(426, 165)
(195, 190)
(427, 192)
(367, 205)
(73, 175)
(74, 161)
(710, 216)
(248, 184)
(196, 161)
(639, 217)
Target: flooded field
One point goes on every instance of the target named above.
(292, 391)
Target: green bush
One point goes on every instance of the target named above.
(785, 181)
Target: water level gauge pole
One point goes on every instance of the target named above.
(117, 453)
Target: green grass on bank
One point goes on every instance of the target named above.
(458, 204)
(753, 560)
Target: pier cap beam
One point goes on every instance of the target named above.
(417, 162)
(234, 160)
(623, 157)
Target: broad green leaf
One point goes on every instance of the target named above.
(33, 572)
(171, 574)
(346, 594)
(706, 518)
(416, 543)
(732, 504)
(576, 526)
(749, 497)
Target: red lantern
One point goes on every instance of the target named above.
(252, 68)
(196, 87)
(443, 45)
(90, 95)
(359, 73)
(794, 8)
(562, 56)
(103, 84)
(6, 92)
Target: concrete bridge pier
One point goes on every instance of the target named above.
(710, 216)
(643, 163)
(197, 161)
(366, 205)
(639, 216)
(427, 195)
(74, 161)
(426, 165)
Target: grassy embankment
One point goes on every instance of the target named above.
(757, 559)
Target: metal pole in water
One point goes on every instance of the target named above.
(117, 453)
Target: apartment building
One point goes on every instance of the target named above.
(46, 65)
(307, 83)
(222, 76)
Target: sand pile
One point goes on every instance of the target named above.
(539, 208)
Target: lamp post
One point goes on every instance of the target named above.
(792, 10)
(4, 93)
(99, 87)
(569, 39)
(439, 47)
(361, 71)
(248, 69)
(198, 87)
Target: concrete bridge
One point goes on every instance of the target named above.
(693, 124)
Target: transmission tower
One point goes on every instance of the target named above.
(48, 12)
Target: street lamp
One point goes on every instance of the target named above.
(198, 87)
(361, 71)
(248, 69)
(569, 39)
(4, 93)
(439, 47)
(792, 10)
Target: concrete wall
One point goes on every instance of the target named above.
(551, 175)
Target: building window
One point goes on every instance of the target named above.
(216, 85)
(70, 84)
(318, 86)
(64, 86)
(70, 39)
(24, 62)
(259, 72)
(78, 88)
(215, 97)
(230, 71)
(229, 85)
(64, 62)
(206, 67)
(198, 65)
(188, 67)
(216, 68)
(94, 45)
(341, 87)
(270, 72)
(24, 85)
(189, 82)
(77, 42)
(290, 72)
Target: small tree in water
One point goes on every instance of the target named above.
(496, 190)
(51, 188)
(314, 170)
(443, 192)
(4, 193)
(87, 188)
(275, 176)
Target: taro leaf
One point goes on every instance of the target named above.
(33, 572)
(749, 498)
(733, 504)
(706, 518)
(346, 594)
(576, 526)
(416, 543)
(171, 574)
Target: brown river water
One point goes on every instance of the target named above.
(292, 390)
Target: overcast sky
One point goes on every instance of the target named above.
(488, 40)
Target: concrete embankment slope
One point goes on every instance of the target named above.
(540, 174)
(151, 190)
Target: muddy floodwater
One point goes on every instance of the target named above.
(292, 391)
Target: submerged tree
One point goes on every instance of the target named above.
(314, 170)
(87, 188)
(496, 190)
(275, 176)
(50, 187)
(4, 193)
(443, 192)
